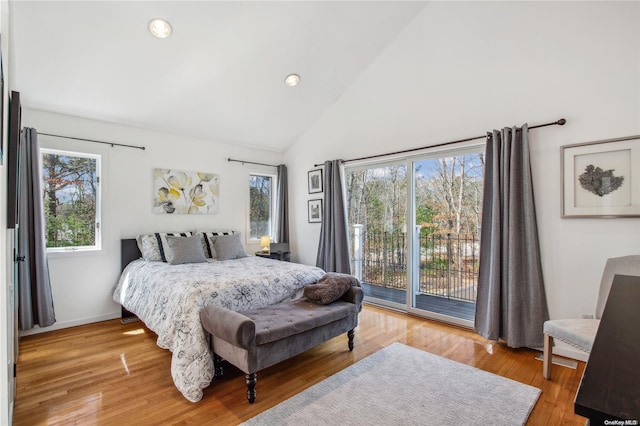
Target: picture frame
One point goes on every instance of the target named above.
(314, 211)
(315, 181)
(600, 178)
(1, 106)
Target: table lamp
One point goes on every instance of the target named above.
(265, 242)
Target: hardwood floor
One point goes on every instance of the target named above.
(113, 374)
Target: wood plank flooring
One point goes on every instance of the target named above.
(108, 373)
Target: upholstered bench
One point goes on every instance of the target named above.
(259, 338)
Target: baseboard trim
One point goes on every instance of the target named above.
(68, 324)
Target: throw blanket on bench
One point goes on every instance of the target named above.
(331, 287)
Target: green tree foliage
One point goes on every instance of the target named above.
(448, 196)
(260, 188)
(69, 197)
(450, 188)
(448, 202)
(377, 198)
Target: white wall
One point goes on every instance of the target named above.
(460, 69)
(6, 314)
(82, 283)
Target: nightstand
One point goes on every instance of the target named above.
(279, 255)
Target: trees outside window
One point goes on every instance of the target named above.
(261, 205)
(424, 211)
(71, 200)
(448, 195)
(377, 198)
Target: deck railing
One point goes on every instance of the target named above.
(448, 263)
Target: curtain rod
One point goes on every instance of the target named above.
(560, 122)
(250, 162)
(94, 141)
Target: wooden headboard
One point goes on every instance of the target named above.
(129, 252)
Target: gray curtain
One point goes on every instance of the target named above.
(35, 300)
(511, 303)
(333, 251)
(282, 207)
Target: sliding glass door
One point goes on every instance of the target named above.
(447, 207)
(377, 206)
(414, 228)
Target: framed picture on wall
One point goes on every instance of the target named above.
(315, 211)
(600, 178)
(1, 109)
(315, 181)
(185, 192)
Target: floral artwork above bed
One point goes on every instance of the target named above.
(180, 192)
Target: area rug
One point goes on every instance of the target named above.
(401, 385)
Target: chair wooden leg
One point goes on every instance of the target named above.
(547, 357)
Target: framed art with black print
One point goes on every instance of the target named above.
(601, 178)
(315, 211)
(315, 181)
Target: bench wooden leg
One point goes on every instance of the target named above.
(251, 387)
(218, 369)
(350, 334)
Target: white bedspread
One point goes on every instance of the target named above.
(168, 299)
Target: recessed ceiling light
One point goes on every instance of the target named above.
(292, 80)
(160, 28)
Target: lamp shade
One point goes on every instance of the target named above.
(265, 242)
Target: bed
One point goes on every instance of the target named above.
(168, 299)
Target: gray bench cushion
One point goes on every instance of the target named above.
(228, 325)
(259, 338)
(285, 319)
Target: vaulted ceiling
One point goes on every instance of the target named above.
(219, 76)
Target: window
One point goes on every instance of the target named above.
(71, 200)
(415, 231)
(261, 205)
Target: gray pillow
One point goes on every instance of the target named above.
(185, 250)
(154, 246)
(228, 247)
(207, 244)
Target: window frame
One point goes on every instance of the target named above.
(272, 212)
(412, 245)
(97, 246)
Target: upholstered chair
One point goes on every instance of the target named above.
(580, 333)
